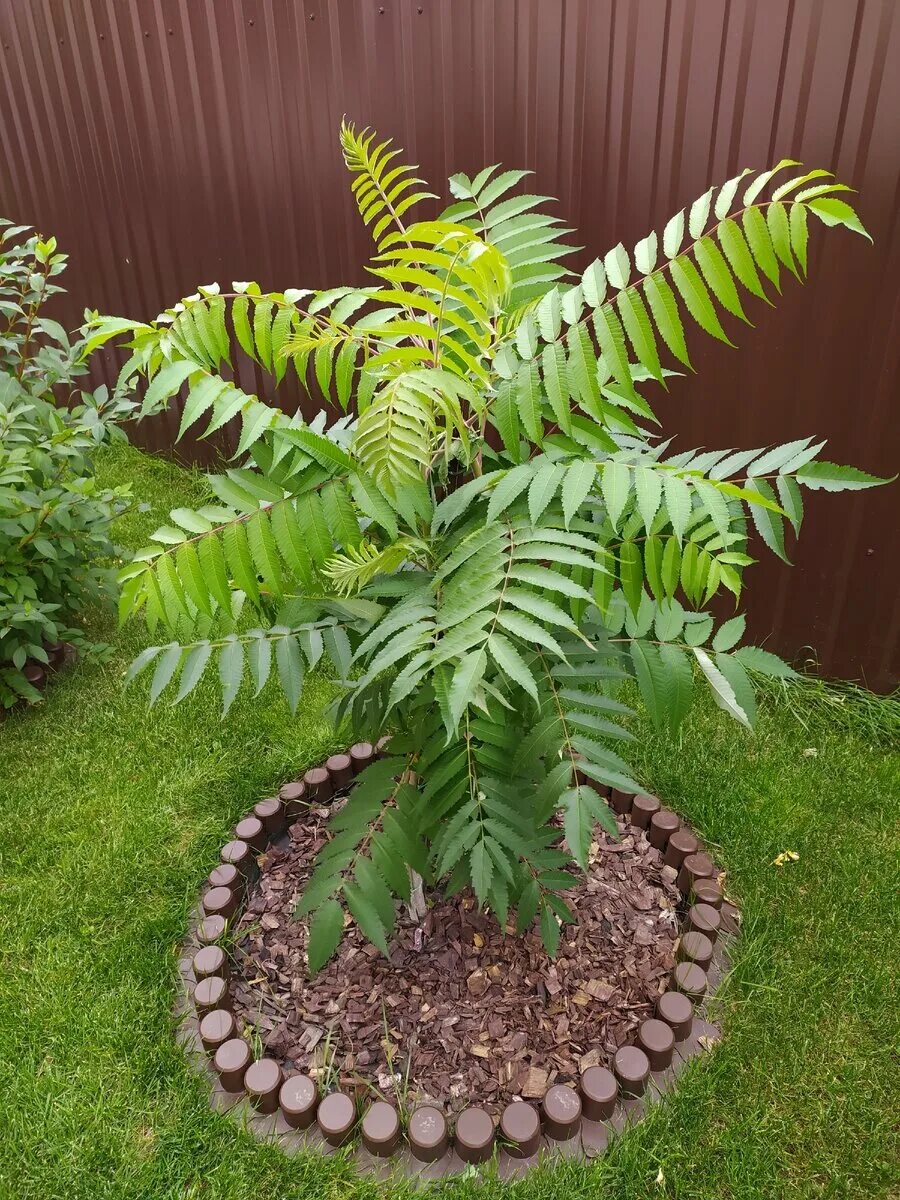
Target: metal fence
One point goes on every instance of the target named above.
(168, 143)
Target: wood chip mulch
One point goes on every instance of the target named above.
(463, 1011)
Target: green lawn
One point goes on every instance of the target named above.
(111, 818)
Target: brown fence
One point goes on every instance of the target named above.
(174, 142)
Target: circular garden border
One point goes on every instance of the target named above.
(572, 1121)
(60, 655)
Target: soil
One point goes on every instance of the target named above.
(464, 1011)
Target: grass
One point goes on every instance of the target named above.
(110, 818)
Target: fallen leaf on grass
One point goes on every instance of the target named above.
(786, 856)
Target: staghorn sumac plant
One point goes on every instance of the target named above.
(481, 529)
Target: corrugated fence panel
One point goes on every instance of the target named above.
(174, 142)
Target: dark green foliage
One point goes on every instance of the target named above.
(55, 549)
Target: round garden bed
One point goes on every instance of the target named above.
(469, 1039)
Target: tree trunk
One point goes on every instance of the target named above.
(416, 907)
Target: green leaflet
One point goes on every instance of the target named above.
(262, 331)
(528, 400)
(739, 257)
(578, 481)
(542, 489)
(730, 633)
(582, 367)
(618, 269)
(762, 179)
(231, 671)
(373, 504)
(645, 253)
(582, 806)
(317, 537)
(549, 315)
(669, 621)
(780, 232)
(165, 384)
(799, 233)
(375, 890)
(325, 931)
(715, 504)
(550, 930)
(723, 692)
(556, 385)
(679, 684)
(727, 193)
(324, 451)
(212, 560)
(760, 243)
(549, 580)
(611, 338)
(836, 212)
(830, 477)
(166, 667)
(290, 669)
(291, 542)
(673, 235)
(615, 486)
(718, 276)
(201, 397)
(366, 917)
(664, 308)
(466, 679)
(732, 670)
(527, 337)
(696, 298)
(539, 606)
(793, 184)
(529, 631)
(340, 516)
(195, 662)
(639, 328)
(699, 214)
(190, 571)
(264, 553)
(631, 574)
(764, 662)
(512, 484)
(259, 660)
(597, 725)
(240, 562)
(671, 565)
(653, 551)
(481, 870)
(648, 492)
(505, 416)
(791, 500)
(511, 663)
(678, 503)
(769, 524)
(593, 284)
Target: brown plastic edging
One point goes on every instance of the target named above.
(578, 1120)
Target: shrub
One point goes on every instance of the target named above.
(54, 518)
(492, 536)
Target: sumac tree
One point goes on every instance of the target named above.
(481, 529)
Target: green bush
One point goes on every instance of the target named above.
(55, 552)
(492, 536)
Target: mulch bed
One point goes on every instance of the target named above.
(462, 1008)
